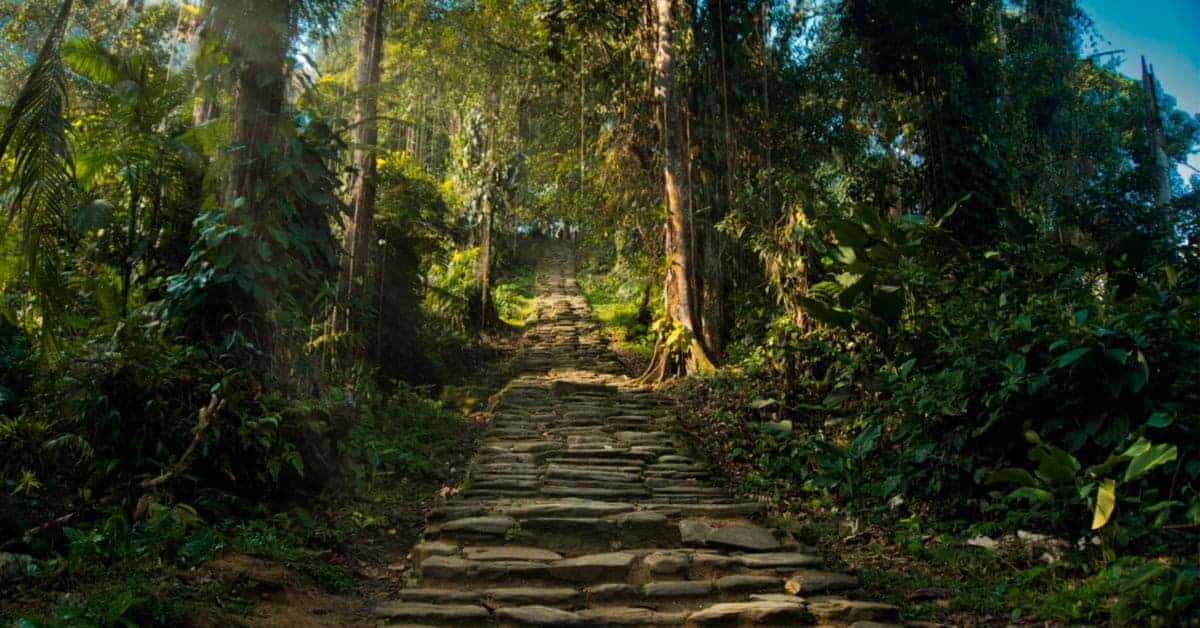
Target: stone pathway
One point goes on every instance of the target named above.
(579, 510)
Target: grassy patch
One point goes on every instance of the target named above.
(514, 297)
(616, 301)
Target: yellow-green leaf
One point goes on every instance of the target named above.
(1106, 501)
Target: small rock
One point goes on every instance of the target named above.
(986, 542)
(667, 562)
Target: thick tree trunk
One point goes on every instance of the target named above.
(678, 298)
(260, 56)
(366, 137)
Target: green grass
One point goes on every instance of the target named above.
(514, 297)
(615, 300)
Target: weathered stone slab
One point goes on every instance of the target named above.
(510, 553)
(568, 508)
(544, 596)
(749, 584)
(835, 609)
(480, 525)
(417, 611)
(535, 615)
(809, 581)
(741, 613)
(594, 567)
(772, 560)
(630, 616)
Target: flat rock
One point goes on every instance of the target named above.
(500, 569)
(694, 532)
(417, 611)
(533, 595)
(536, 615)
(773, 560)
(791, 613)
(630, 616)
(445, 567)
(609, 591)
(836, 609)
(809, 581)
(568, 508)
(594, 567)
(667, 562)
(480, 525)
(436, 548)
(748, 584)
(510, 553)
(752, 538)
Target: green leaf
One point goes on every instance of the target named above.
(1155, 456)
(1070, 357)
(759, 404)
(1159, 419)
(1015, 363)
(1106, 501)
(1032, 494)
(826, 314)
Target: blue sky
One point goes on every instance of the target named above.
(1167, 32)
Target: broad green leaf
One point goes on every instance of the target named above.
(1159, 419)
(1070, 357)
(1106, 501)
(1155, 456)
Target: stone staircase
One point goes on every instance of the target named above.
(579, 511)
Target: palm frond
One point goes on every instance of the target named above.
(40, 180)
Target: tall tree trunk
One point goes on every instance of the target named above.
(678, 298)
(1158, 142)
(259, 53)
(485, 263)
(366, 137)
